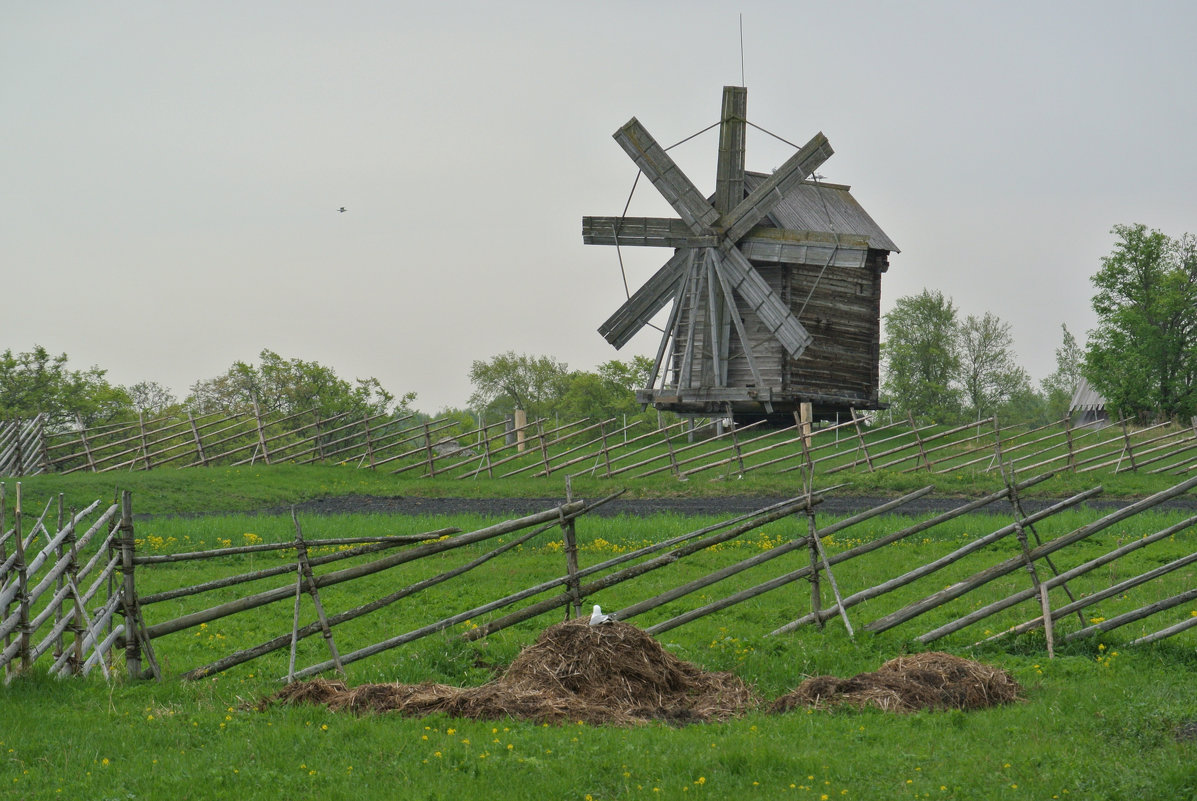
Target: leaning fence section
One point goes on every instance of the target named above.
(53, 569)
(609, 448)
(79, 590)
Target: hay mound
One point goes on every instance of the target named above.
(909, 683)
(614, 674)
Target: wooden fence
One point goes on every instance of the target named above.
(604, 448)
(45, 592)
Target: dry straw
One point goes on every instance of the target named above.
(612, 674)
(932, 680)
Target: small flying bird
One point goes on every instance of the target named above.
(597, 617)
(342, 209)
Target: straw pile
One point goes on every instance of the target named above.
(909, 683)
(614, 674)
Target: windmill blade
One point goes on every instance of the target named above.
(740, 220)
(690, 204)
(771, 310)
(643, 231)
(645, 302)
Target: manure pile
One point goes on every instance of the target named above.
(932, 680)
(618, 674)
(614, 674)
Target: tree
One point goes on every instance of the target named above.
(988, 371)
(1142, 357)
(150, 397)
(37, 383)
(922, 356)
(1060, 386)
(509, 381)
(611, 392)
(291, 386)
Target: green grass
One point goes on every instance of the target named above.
(243, 489)
(1099, 722)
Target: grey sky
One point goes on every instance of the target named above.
(171, 172)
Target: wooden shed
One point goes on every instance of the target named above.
(775, 282)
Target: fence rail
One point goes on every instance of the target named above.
(604, 448)
(66, 577)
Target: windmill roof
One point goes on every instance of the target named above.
(1086, 398)
(823, 208)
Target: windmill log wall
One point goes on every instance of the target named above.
(843, 313)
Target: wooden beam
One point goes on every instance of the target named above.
(729, 178)
(645, 302)
(678, 191)
(659, 232)
(740, 220)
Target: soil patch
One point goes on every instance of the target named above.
(932, 680)
(614, 673)
(642, 507)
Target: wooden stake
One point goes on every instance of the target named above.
(301, 556)
(569, 537)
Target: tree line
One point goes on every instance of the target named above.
(1142, 357)
(38, 382)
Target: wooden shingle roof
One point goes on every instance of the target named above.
(808, 206)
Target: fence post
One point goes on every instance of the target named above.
(61, 582)
(199, 445)
(861, 439)
(20, 454)
(544, 450)
(672, 456)
(305, 572)
(914, 429)
(75, 660)
(41, 438)
(1126, 438)
(22, 585)
(1068, 434)
(319, 436)
(816, 595)
(570, 539)
(4, 558)
(91, 459)
(606, 453)
(137, 640)
(261, 433)
(145, 445)
(736, 445)
(430, 456)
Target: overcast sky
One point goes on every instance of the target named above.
(170, 173)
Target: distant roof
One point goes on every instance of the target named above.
(1086, 399)
(809, 205)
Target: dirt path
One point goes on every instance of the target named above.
(639, 507)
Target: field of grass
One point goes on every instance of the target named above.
(246, 488)
(1100, 721)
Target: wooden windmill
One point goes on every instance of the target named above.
(775, 282)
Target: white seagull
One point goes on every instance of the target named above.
(597, 617)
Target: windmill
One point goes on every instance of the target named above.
(741, 276)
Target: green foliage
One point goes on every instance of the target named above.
(608, 393)
(290, 386)
(37, 383)
(152, 399)
(1142, 357)
(922, 356)
(511, 381)
(988, 370)
(1060, 386)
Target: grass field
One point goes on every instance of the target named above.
(1100, 721)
